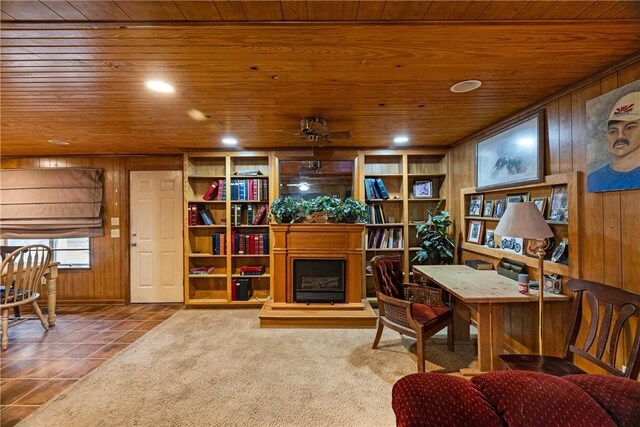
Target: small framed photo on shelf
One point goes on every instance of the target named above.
(475, 232)
(475, 205)
(423, 189)
(517, 198)
(541, 203)
(559, 210)
(489, 238)
(488, 208)
(499, 207)
(512, 244)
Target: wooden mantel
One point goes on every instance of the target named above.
(317, 241)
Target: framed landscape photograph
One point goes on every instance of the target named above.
(517, 198)
(475, 205)
(559, 210)
(423, 189)
(488, 208)
(475, 232)
(512, 156)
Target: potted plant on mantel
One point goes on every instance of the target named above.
(320, 209)
(437, 246)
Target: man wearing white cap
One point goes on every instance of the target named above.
(623, 141)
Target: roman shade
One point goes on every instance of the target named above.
(50, 203)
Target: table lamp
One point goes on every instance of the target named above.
(524, 220)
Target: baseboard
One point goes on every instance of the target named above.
(91, 302)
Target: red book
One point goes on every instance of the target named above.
(233, 289)
(233, 243)
(194, 215)
(210, 193)
(252, 245)
(257, 218)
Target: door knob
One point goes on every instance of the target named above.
(134, 244)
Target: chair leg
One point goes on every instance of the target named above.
(420, 351)
(5, 326)
(450, 337)
(378, 334)
(44, 322)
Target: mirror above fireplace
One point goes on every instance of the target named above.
(307, 179)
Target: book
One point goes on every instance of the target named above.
(241, 288)
(207, 218)
(210, 194)
(478, 264)
(253, 268)
(383, 190)
(201, 270)
(194, 216)
(259, 215)
(248, 172)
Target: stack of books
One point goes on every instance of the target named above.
(252, 270)
(201, 270)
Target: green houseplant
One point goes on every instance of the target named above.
(351, 210)
(436, 245)
(286, 210)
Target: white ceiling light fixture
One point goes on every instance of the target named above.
(401, 139)
(159, 86)
(58, 142)
(229, 140)
(197, 115)
(465, 86)
(304, 186)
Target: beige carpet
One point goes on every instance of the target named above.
(218, 368)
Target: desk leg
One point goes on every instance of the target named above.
(51, 299)
(490, 336)
(461, 321)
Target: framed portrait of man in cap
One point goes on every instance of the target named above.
(613, 145)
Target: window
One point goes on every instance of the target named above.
(70, 253)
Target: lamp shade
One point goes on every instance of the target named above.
(523, 220)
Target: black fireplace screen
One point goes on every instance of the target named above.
(319, 280)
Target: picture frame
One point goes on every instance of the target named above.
(512, 244)
(560, 252)
(499, 208)
(475, 205)
(541, 204)
(489, 238)
(475, 232)
(423, 189)
(517, 198)
(512, 156)
(488, 209)
(559, 204)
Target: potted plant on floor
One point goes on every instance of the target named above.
(436, 245)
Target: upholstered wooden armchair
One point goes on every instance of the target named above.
(414, 310)
(22, 272)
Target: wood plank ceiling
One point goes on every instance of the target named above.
(75, 70)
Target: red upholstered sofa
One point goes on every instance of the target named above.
(516, 398)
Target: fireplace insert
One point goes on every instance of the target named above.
(319, 280)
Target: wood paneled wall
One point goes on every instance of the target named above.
(107, 281)
(609, 236)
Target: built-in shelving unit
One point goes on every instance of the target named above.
(399, 171)
(217, 254)
(565, 227)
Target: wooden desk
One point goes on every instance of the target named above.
(485, 293)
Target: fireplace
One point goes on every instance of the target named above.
(319, 280)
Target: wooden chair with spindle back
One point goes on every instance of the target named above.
(22, 272)
(620, 307)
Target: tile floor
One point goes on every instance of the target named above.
(39, 365)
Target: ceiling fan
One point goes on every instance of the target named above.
(315, 130)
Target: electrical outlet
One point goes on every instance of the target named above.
(115, 221)
(115, 233)
(624, 368)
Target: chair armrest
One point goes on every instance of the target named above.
(395, 310)
(423, 294)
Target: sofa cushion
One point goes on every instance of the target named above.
(530, 399)
(620, 397)
(426, 399)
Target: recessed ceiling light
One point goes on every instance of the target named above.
(159, 86)
(58, 142)
(228, 140)
(197, 115)
(401, 139)
(465, 86)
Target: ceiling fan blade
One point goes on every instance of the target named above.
(290, 132)
(302, 138)
(343, 134)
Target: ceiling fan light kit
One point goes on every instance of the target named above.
(315, 129)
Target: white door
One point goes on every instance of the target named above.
(156, 236)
